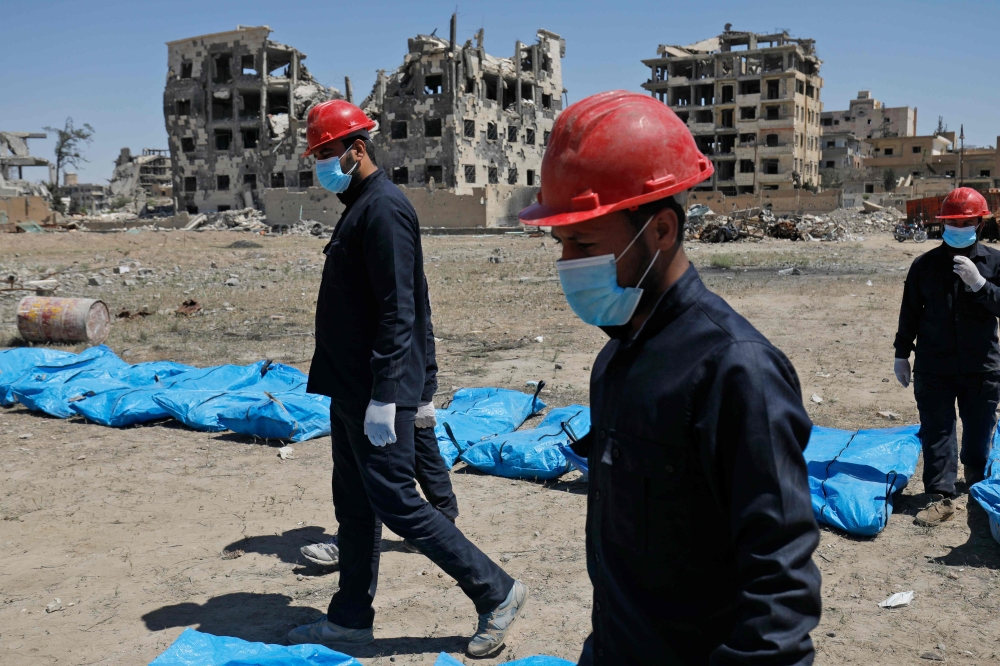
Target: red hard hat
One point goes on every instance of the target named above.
(329, 121)
(963, 202)
(613, 151)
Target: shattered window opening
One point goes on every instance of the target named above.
(546, 101)
(434, 172)
(190, 184)
(401, 175)
(250, 180)
(470, 173)
(727, 143)
(530, 178)
(512, 133)
(512, 176)
(183, 107)
(545, 138)
(509, 87)
(769, 167)
(492, 83)
(470, 86)
(726, 170)
(746, 166)
(305, 179)
(748, 113)
(432, 127)
(750, 87)
(527, 93)
(492, 175)
(277, 102)
(704, 117)
(728, 118)
(773, 112)
(529, 137)
(222, 183)
(250, 135)
(249, 104)
(772, 89)
(222, 109)
(278, 179)
(526, 63)
(398, 130)
(433, 85)
(187, 144)
(727, 95)
(470, 129)
(223, 139)
(186, 70)
(192, 209)
(247, 66)
(491, 131)
(223, 71)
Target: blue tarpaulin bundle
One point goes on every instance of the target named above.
(987, 492)
(295, 416)
(124, 407)
(852, 475)
(477, 413)
(16, 363)
(533, 453)
(42, 376)
(193, 648)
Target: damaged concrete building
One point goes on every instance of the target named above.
(235, 106)
(453, 116)
(752, 102)
(20, 199)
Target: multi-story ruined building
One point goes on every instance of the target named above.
(235, 106)
(141, 177)
(459, 118)
(14, 158)
(752, 102)
(868, 118)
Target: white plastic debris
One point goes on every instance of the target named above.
(815, 398)
(869, 283)
(539, 339)
(54, 606)
(285, 452)
(897, 600)
(825, 375)
(790, 271)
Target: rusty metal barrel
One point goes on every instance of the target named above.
(43, 319)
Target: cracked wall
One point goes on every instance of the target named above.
(456, 117)
(235, 107)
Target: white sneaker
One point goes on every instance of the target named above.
(323, 554)
(493, 626)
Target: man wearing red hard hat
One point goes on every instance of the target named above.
(700, 528)
(373, 359)
(950, 306)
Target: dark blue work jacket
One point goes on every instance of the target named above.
(373, 313)
(700, 530)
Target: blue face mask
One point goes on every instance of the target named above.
(959, 237)
(592, 291)
(331, 176)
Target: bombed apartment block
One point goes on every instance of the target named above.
(868, 118)
(235, 106)
(453, 116)
(752, 102)
(142, 177)
(15, 157)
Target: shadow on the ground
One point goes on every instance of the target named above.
(267, 618)
(284, 546)
(575, 484)
(980, 550)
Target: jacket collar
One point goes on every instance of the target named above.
(355, 191)
(674, 302)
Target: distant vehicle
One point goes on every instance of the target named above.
(906, 230)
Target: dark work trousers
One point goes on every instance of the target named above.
(977, 395)
(374, 485)
(432, 475)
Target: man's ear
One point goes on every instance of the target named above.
(359, 150)
(665, 224)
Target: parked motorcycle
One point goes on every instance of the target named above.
(914, 231)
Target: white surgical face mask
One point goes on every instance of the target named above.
(592, 291)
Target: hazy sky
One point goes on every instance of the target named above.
(104, 62)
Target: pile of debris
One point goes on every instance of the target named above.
(251, 219)
(757, 223)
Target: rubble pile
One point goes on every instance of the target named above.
(756, 223)
(251, 219)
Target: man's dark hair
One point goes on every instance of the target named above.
(369, 146)
(641, 215)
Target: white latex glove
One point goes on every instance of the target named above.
(902, 369)
(380, 422)
(967, 270)
(426, 416)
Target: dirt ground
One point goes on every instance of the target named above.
(143, 531)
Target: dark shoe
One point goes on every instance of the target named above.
(410, 547)
(973, 475)
(939, 510)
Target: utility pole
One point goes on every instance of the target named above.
(961, 155)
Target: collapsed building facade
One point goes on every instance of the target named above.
(235, 107)
(453, 116)
(752, 102)
(15, 157)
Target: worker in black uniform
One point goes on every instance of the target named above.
(700, 529)
(372, 327)
(951, 301)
